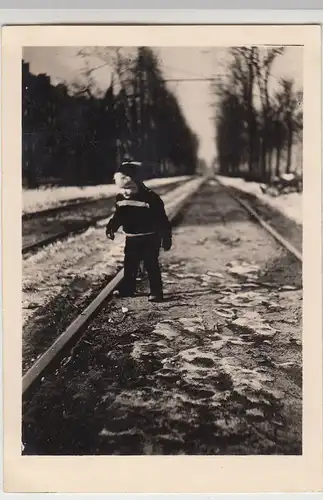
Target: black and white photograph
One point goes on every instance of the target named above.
(162, 250)
(161, 259)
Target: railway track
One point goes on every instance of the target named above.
(52, 230)
(67, 206)
(256, 217)
(73, 332)
(87, 393)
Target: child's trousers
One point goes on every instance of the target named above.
(142, 248)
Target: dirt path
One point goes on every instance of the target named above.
(216, 369)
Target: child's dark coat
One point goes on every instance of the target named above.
(147, 228)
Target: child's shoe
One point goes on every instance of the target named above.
(155, 298)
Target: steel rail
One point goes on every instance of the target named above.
(61, 208)
(73, 332)
(278, 237)
(75, 229)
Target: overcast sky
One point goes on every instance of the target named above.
(63, 64)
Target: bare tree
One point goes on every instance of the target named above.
(120, 61)
(149, 120)
(278, 128)
(243, 77)
(260, 126)
(263, 62)
(288, 121)
(293, 116)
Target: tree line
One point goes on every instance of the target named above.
(75, 135)
(257, 127)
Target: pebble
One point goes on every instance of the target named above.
(255, 412)
(215, 275)
(288, 364)
(245, 336)
(278, 423)
(290, 321)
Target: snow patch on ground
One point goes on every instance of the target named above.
(288, 204)
(34, 200)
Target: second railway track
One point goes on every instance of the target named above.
(41, 229)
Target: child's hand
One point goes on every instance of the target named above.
(109, 234)
(167, 244)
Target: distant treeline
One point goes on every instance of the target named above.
(258, 131)
(73, 136)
